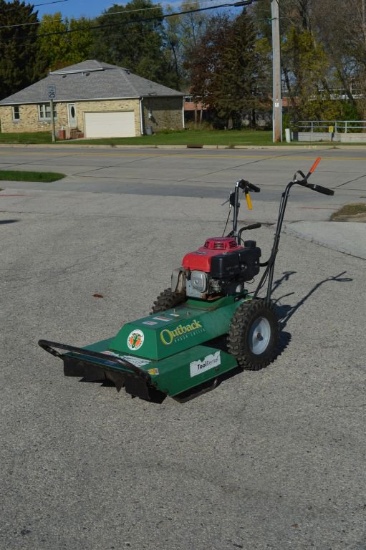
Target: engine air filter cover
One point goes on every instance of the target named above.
(201, 259)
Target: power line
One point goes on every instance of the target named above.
(38, 5)
(240, 3)
(47, 3)
(106, 14)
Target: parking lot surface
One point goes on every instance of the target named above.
(268, 460)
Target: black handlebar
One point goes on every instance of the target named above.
(320, 189)
(252, 226)
(247, 186)
(248, 227)
(254, 188)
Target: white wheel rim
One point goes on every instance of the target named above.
(259, 335)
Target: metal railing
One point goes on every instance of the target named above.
(332, 126)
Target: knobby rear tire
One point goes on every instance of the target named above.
(254, 335)
(167, 300)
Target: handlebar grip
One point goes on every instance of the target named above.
(253, 187)
(245, 185)
(247, 227)
(253, 226)
(320, 189)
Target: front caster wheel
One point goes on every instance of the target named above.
(167, 300)
(254, 335)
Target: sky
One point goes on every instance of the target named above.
(72, 8)
(84, 8)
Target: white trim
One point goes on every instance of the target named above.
(72, 121)
(44, 112)
(16, 118)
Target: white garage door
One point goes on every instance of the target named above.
(111, 124)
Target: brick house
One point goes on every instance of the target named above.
(93, 99)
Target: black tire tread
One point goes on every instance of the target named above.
(241, 322)
(167, 300)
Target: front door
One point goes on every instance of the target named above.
(71, 109)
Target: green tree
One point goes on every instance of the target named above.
(132, 37)
(240, 84)
(63, 42)
(181, 34)
(18, 46)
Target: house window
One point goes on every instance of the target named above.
(44, 111)
(16, 112)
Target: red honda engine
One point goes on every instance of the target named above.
(221, 267)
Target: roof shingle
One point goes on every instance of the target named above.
(90, 80)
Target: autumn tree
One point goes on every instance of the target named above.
(204, 61)
(342, 30)
(313, 67)
(18, 46)
(226, 69)
(241, 81)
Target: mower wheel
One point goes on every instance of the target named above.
(254, 335)
(167, 300)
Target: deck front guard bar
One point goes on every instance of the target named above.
(95, 366)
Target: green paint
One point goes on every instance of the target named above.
(181, 372)
(165, 334)
(170, 346)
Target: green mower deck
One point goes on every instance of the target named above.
(162, 354)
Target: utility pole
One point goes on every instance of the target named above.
(276, 67)
(51, 96)
(53, 133)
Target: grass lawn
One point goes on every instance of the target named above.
(36, 137)
(350, 212)
(187, 138)
(18, 175)
(194, 138)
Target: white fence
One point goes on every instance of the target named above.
(344, 131)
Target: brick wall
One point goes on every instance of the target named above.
(166, 114)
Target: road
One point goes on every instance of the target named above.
(268, 460)
(188, 172)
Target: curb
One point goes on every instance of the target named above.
(187, 146)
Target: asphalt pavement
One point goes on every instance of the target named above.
(273, 459)
(210, 172)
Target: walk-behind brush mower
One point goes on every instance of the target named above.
(176, 349)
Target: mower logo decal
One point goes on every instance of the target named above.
(181, 332)
(135, 339)
(153, 372)
(202, 365)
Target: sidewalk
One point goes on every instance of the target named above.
(347, 237)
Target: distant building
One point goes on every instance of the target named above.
(95, 100)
